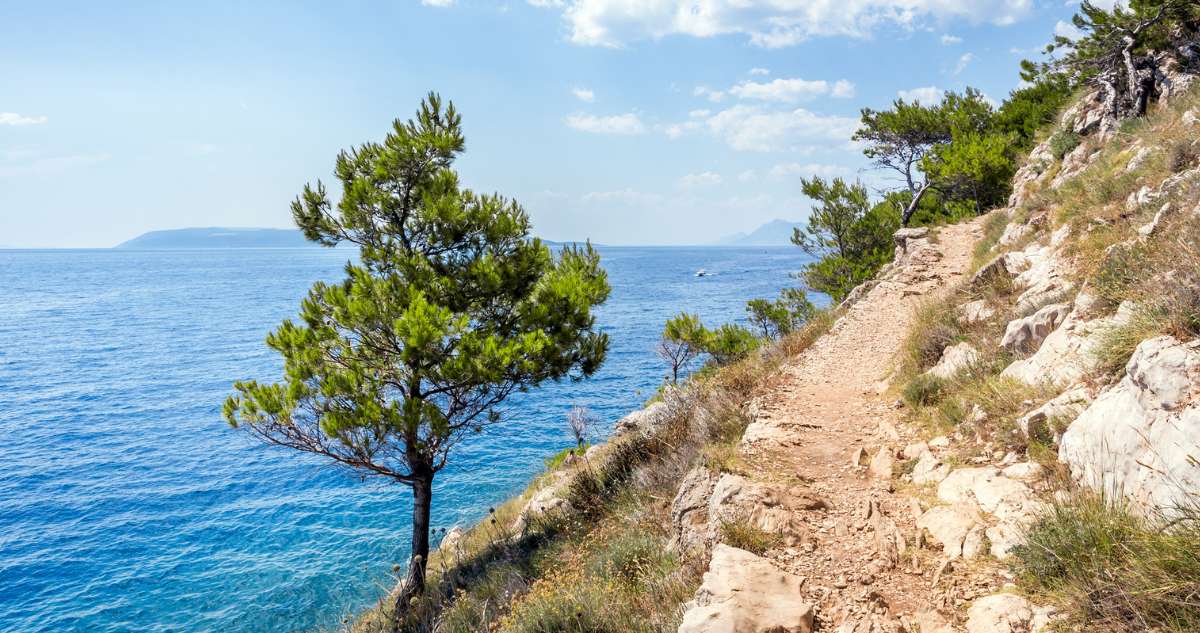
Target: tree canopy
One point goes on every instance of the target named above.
(450, 308)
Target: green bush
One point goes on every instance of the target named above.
(924, 390)
(1062, 143)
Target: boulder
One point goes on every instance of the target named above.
(929, 470)
(883, 464)
(1026, 334)
(646, 420)
(545, 501)
(1068, 353)
(769, 508)
(1139, 159)
(1191, 117)
(744, 593)
(1141, 438)
(1000, 613)
(997, 267)
(955, 359)
(975, 311)
(957, 528)
(932, 622)
(1061, 409)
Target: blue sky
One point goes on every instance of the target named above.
(621, 121)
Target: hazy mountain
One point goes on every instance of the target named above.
(222, 237)
(219, 237)
(773, 233)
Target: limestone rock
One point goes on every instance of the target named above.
(1191, 117)
(744, 593)
(451, 540)
(645, 420)
(546, 501)
(769, 508)
(1141, 438)
(1008, 613)
(1063, 408)
(1024, 471)
(915, 450)
(1026, 334)
(957, 528)
(955, 359)
(883, 464)
(932, 622)
(975, 311)
(929, 470)
(689, 509)
(1068, 353)
(997, 267)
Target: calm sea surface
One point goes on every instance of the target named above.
(126, 503)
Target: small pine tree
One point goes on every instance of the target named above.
(450, 309)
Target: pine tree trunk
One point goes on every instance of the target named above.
(414, 582)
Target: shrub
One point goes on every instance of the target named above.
(1062, 143)
(1184, 154)
(924, 390)
(1117, 569)
(741, 534)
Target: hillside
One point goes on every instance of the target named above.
(218, 237)
(773, 233)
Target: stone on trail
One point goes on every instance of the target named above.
(744, 593)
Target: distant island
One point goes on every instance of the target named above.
(226, 237)
(218, 237)
(773, 233)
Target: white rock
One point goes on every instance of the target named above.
(645, 420)
(958, 486)
(940, 441)
(1141, 438)
(915, 450)
(883, 464)
(929, 470)
(932, 622)
(1000, 613)
(1191, 117)
(955, 359)
(976, 311)
(767, 507)
(689, 509)
(1026, 334)
(1068, 353)
(957, 528)
(744, 593)
(1148, 229)
(1064, 407)
(1139, 159)
(1025, 471)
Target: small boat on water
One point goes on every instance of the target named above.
(702, 273)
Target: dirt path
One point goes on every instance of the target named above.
(828, 406)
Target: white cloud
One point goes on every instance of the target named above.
(929, 95)
(12, 118)
(748, 176)
(623, 124)
(708, 93)
(624, 196)
(753, 129)
(791, 90)
(703, 179)
(768, 23)
(584, 94)
(785, 171)
(437, 3)
(761, 72)
(963, 62)
(1067, 30)
(950, 40)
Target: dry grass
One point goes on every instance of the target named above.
(1115, 569)
(603, 566)
(743, 534)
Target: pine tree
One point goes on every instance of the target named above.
(450, 309)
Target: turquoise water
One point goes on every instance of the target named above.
(126, 504)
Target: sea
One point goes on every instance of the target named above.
(127, 503)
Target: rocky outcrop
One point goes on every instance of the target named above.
(1068, 353)
(1141, 438)
(1026, 334)
(958, 529)
(689, 509)
(955, 359)
(645, 421)
(744, 593)
(1060, 410)
(548, 500)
